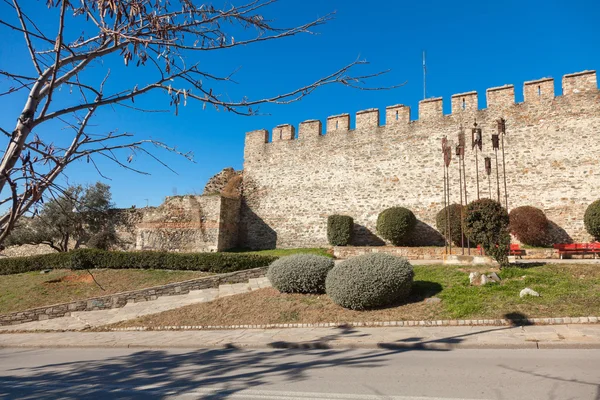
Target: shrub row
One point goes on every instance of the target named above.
(456, 221)
(395, 224)
(93, 258)
(530, 225)
(300, 273)
(591, 219)
(367, 281)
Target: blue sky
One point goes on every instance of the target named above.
(470, 45)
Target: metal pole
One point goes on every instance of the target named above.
(504, 174)
(477, 171)
(466, 200)
(448, 210)
(497, 176)
(445, 208)
(424, 77)
(462, 234)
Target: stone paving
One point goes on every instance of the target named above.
(90, 319)
(400, 338)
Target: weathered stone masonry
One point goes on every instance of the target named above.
(292, 184)
(190, 223)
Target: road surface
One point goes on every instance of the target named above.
(294, 374)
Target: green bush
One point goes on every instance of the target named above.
(339, 230)
(395, 224)
(486, 223)
(529, 225)
(94, 258)
(456, 220)
(300, 273)
(370, 280)
(591, 219)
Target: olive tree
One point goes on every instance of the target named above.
(81, 215)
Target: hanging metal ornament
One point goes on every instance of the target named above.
(488, 172)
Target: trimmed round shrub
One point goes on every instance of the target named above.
(368, 281)
(300, 273)
(395, 224)
(591, 219)
(529, 225)
(456, 220)
(486, 223)
(339, 230)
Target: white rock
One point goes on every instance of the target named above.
(494, 276)
(529, 292)
(473, 277)
(484, 280)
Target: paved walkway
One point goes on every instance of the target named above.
(89, 319)
(442, 338)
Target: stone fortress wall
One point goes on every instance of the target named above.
(292, 183)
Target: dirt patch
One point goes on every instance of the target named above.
(72, 278)
(268, 306)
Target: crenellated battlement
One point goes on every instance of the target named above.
(499, 99)
(359, 165)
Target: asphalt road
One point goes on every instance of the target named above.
(306, 374)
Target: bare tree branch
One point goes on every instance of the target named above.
(163, 37)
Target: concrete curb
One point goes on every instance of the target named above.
(379, 324)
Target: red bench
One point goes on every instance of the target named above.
(514, 250)
(577, 248)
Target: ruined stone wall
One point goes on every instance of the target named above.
(126, 221)
(292, 184)
(190, 224)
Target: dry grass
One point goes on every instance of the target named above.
(23, 291)
(567, 290)
(268, 306)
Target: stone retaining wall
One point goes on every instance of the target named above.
(433, 253)
(411, 253)
(118, 300)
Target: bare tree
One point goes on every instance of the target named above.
(158, 35)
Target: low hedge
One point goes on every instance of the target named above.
(93, 258)
(339, 230)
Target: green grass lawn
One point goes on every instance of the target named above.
(28, 290)
(566, 290)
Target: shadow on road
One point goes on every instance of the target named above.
(155, 373)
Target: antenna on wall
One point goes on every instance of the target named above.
(424, 77)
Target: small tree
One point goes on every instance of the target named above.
(80, 214)
(591, 219)
(395, 224)
(486, 222)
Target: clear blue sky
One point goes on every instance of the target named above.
(470, 45)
